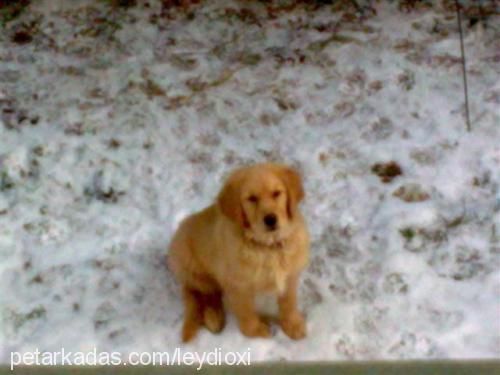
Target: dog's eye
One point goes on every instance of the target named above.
(276, 194)
(253, 199)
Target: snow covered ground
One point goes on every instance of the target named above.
(117, 122)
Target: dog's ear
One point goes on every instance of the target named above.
(294, 188)
(229, 199)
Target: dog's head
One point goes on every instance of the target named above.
(263, 200)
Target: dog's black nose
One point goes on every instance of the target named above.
(270, 220)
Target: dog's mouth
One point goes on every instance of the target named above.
(271, 238)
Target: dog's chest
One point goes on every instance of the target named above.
(267, 272)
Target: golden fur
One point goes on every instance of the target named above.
(252, 240)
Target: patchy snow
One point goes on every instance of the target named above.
(117, 123)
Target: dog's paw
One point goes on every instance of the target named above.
(189, 330)
(294, 326)
(213, 319)
(256, 329)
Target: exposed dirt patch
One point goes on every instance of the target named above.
(387, 171)
(22, 37)
(411, 193)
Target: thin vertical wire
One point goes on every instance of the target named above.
(464, 70)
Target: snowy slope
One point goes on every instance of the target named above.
(117, 123)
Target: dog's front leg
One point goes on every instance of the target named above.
(242, 304)
(291, 320)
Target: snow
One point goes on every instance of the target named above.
(114, 128)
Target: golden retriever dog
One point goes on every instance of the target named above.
(252, 240)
